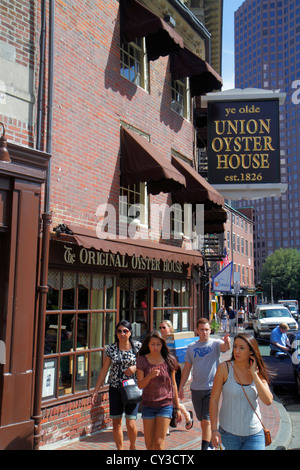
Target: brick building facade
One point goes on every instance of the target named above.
(84, 82)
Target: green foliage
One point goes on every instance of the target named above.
(214, 325)
(283, 267)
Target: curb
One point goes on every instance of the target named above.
(284, 436)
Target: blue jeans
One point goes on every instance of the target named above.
(149, 412)
(233, 442)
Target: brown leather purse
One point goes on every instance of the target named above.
(268, 438)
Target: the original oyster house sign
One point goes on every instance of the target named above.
(243, 142)
(86, 257)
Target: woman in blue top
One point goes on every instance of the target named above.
(239, 426)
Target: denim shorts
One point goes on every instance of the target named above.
(149, 412)
(116, 406)
(233, 442)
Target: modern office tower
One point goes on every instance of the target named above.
(267, 56)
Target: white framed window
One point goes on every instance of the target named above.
(177, 220)
(180, 98)
(134, 63)
(133, 204)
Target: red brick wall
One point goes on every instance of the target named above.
(91, 98)
(72, 420)
(18, 26)
(90, 101)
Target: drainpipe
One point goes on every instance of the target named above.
(47, 219)
(50, 99)
(41, 76)
(42, 290)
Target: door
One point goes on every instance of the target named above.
(134, 304)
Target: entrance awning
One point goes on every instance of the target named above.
(203, 78)
(142, 162)
(137, 22)
(147, 249)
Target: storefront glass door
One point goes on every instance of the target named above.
(134, 304)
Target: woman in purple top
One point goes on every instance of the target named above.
(156, 369)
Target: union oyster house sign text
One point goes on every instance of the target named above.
(79, 256)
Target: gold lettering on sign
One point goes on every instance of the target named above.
(116, 260)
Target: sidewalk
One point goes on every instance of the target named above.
(274, 417)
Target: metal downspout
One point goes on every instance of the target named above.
(47, 219)
(41, 76)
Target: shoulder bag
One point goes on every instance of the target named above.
(130, 392)
(268, 438)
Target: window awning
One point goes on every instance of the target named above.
(147, 249)
(203, 78)
(142, 162)
(199, 191)
(137, 22)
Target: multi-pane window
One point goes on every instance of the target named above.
(133, 203)
(80, 323)
(133, 62)
(177, 220)
(171, 301)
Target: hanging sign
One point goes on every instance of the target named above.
(243, 142)
(222, 281)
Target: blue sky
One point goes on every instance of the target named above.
(229, 7)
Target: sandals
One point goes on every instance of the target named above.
(190, 423)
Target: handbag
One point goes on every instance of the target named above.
(173, 422)
(268, 438)
(130, 392)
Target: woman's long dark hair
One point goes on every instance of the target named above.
(165, 352)
(252, 343)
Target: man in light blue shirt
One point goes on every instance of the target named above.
(279, 339)
(202, 358)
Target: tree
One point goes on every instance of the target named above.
(282, 269)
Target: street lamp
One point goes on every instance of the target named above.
(4, 155)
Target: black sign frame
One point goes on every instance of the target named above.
(243, 145)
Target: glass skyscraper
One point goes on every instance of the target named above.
(267, 56)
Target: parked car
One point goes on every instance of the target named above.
(293, 307)
(268, 317)
(295, 342)
(293, 311)
(284, 368)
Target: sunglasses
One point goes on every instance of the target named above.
(162, 327)
(122, 331)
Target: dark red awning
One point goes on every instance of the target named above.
(199, 191)
(148, 249)
(203, 78)
(142, 162)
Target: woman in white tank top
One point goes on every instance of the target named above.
(239, 427)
